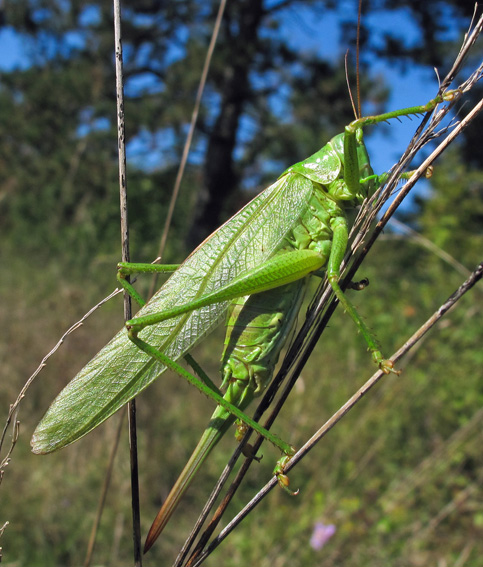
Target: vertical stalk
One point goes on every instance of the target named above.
(126, 258)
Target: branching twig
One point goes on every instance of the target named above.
(426, 243)
(43, 363)
(11, 417)
(323, 307)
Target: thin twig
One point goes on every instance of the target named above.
(429, 245)
(189, 139)
(307, 328)
(465, 553)
(43, 362)
(11, 419)
(400, 490)
(2, 529)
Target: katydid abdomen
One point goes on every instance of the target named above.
(257, 328)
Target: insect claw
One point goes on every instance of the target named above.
(449, 96)
(282, 478)
(360, 285)
(241, 429)
(283, 482)
(429, 172)
(248, 449)
(387, 366)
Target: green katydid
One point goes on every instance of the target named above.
(256, 265)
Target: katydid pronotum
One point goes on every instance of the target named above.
(256, 266)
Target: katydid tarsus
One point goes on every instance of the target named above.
(256, 266)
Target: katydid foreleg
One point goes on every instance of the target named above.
(333, 273)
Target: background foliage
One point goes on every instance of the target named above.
(400, 477)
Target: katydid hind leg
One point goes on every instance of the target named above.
(256, 329)
(276, 272)
(209, 392)
(201, 373)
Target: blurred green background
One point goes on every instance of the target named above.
(400, 476)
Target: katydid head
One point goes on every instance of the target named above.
(344, 178)
(352, 186)
(342, 166)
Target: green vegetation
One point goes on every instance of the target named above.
(400, 477)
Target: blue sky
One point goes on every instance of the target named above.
(307, 33)
(416, 86)
(11, 50)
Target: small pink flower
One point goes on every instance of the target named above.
(321, 535)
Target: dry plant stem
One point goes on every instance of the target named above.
(400, 491)
(418, 141)
(469, 41)
(465, 553)
(11, 418)
(287, 365)
(210, 503)
(174, 196)
(420, 171)
(294, 362)
(189, 138)
(476, 275)
(2, 529)
(429, 245)
(136, 516)
(415, 145)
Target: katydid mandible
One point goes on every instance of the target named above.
(256, 266)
